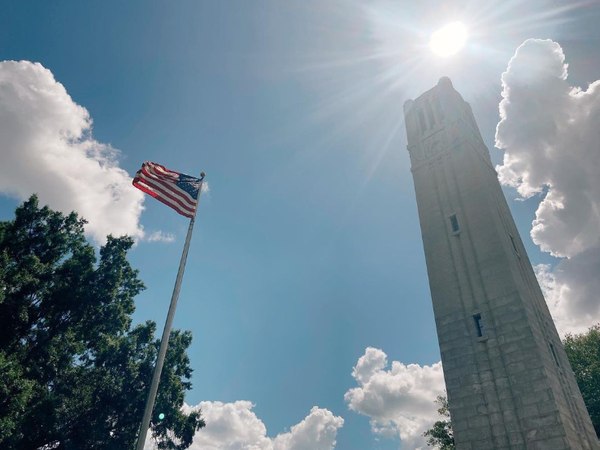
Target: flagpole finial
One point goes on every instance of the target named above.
(202, 174)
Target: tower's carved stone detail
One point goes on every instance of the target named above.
(509, 383)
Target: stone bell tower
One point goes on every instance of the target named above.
(509, 383)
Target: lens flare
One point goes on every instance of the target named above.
(449, 39)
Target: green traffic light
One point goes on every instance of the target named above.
(161, 416)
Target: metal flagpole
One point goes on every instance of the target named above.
(164, 343)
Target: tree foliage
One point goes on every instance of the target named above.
(583, 351)
(74, 373)
(441, 435)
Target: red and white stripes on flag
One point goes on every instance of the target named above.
(174, 189)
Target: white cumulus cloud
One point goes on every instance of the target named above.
(234, 426)
(550, 133)
(399, 401)
(571, 290)
(316, 432)
(160, 236)
(46, 147)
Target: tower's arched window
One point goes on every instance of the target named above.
(430, 115)
(438, 108)
(422, 122)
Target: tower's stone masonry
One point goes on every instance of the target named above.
(509, 383)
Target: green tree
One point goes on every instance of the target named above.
(74, 373)
(583, 351)
(441, 435)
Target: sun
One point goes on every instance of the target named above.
(449, 39)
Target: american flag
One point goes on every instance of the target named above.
(174, 189)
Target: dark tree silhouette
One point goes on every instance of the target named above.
(441, 435)
(74, 373)
(583, 351)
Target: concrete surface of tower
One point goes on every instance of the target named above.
(509, 383)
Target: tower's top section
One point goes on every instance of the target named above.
(443, 83)
(438, 120)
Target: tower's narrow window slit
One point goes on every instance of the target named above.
(454, 223)
(512, 240)
(554, 354)
(478, 325)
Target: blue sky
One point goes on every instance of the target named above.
(307, 248)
